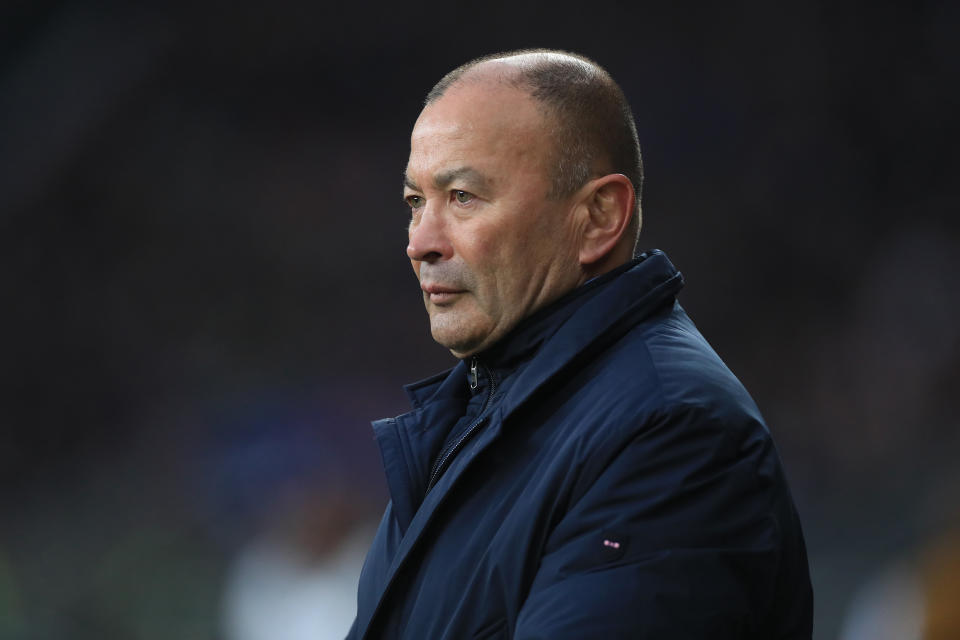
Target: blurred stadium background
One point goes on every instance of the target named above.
(207, 299)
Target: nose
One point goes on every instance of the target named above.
(428, 239)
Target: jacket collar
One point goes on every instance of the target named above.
(637, 287)
(578, 326)
(650, 282)
(616, 305)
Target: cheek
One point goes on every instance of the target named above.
(498, 257)
(477, 249)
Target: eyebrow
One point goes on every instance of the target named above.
(443, 179)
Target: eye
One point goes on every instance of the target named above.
(463, 197)
(414, 202)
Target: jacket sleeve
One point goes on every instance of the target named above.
(686, 532)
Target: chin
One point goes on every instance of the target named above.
(458, 347)
(460, 344)
(463, 332)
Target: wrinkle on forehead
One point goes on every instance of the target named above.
(446, 177)
(496, 130)
(494, 109)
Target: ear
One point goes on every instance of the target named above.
(607, 208)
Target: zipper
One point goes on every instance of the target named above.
(442, 464)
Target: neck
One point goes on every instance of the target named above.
(618, 257)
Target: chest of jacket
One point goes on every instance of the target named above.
(466, 558)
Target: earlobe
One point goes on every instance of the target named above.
(609, 205)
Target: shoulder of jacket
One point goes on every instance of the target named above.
(663, 372)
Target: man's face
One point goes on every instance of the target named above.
(486, 243)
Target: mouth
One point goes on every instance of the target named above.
(439, 294)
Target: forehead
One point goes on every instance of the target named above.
(491, 127)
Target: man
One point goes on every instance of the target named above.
(590, 469)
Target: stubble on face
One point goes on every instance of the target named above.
(449, 322)
(503, 260)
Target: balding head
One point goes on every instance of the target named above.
(591, 124)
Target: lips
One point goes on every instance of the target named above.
(440, 294)
(438, 288)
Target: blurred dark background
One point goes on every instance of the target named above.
(206, 297)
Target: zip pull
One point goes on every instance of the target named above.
(473, 373)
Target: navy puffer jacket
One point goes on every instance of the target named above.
(617, 481)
